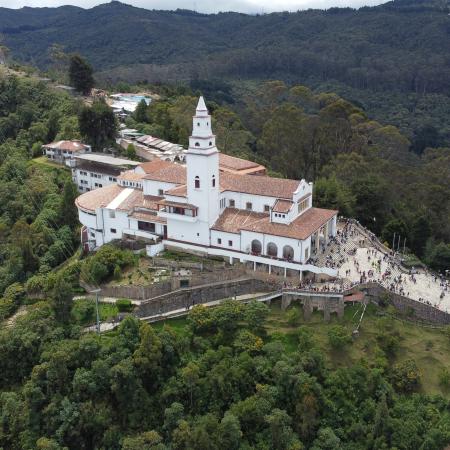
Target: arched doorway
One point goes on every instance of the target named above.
(256, 247)
(288, 252)
(272, 249)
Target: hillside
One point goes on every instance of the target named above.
(380, 47)
(400, 48)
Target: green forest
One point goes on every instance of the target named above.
(222, 379)
(390, 60)
(235, 376)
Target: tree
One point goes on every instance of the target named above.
(293, 316)
(338, 337)
(419, 234)
(230, 432)
(326, 440)
(406, 376)
(400, 229)
(80, 74)
(131, 151)
(140, 113)
(150, 440)
(69, 212)
(331, 193)
(439, 257)
(98, 124)
(281, 433)
(61, 300)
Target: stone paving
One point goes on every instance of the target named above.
(359, 257)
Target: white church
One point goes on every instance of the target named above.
(205, 208)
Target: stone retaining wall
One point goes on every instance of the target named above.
(404, 305)
(136, 292)
(326, 303)
(186, 298)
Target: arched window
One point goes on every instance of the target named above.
(197, 144)
(210, 143)
(197, 182)
(256, 247)
(288, 252)
(213, 181)
(198, 124)
(272, 249)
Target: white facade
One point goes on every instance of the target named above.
(64, 152)
(245, 217)
(96, 170)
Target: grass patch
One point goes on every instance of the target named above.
(84, 313)
(143, 273)
(45, 162)
(178, 325)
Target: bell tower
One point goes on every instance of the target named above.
(202, 171)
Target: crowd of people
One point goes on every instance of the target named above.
(360, 258)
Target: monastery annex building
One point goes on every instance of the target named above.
(214, 205)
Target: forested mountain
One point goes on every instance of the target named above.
(385, 47)
(390, 59)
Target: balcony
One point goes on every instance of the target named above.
(179, 211)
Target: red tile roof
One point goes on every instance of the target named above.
(282, 206)
(232, 220)
(177, 204)
(98, 198)
(172, 173)
(130, 175)
(179, 191)
(72, 146)
(260, 185)
(137, 199)
(147, 216)
(154, 166)
(230, 163)
(235, 220)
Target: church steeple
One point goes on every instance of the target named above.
(202, 138)
(202, 174)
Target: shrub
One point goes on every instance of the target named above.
(388, 337)
(293, 316)
(124, 305)
(338, 337)
(7, 308)
(117, 273)
(444, 378)
(406, 376)
(83, 311)
(305, 339)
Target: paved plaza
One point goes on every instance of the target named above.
(359, 258)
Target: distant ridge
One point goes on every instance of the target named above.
(401, 46)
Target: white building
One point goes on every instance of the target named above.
(96, 170)
(64, 152)
(205, 209)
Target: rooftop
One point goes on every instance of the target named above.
(130, 175)
(235, 220)
(98, 198)
(282, 206)
(261, 185)
(232, 163)
(107, 159)
(155, 165)
(172, 173)
(73, 146)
